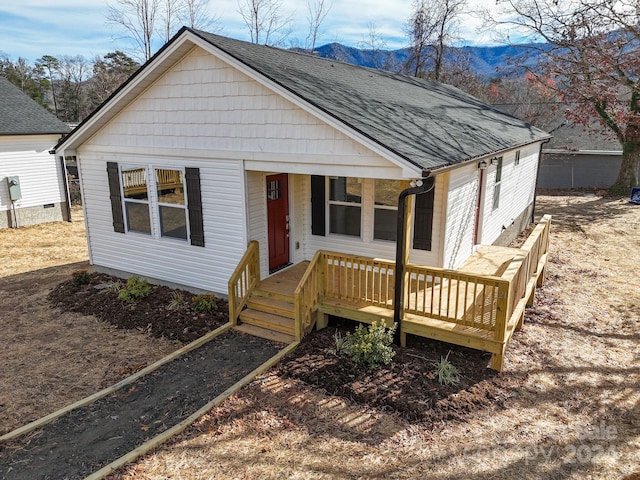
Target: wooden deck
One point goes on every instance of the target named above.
(478, 306)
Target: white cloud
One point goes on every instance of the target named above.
(32, 28)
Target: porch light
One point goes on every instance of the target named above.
(483, 165)
(494, 161)
(416, 183)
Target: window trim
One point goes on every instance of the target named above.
(497, 184)
(184, 206)
(385, 207)
(516, 161)
(193, 198)
(330, 202)
(122, 168)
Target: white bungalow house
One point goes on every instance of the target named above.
(216, 142)
(32, 181)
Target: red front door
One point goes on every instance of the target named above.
(278, 220)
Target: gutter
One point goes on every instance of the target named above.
(426, 184)
(535, 187)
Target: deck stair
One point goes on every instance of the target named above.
(269, 314)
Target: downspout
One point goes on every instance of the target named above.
(535, 185)
(426, 184)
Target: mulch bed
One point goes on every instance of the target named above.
(152, 314)
(92, 436)
(88, 438)
(409, 384)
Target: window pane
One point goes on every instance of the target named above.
(134, 183)
(170, 186)
(496, 196)
(173, 222)
(386, 191)
(499, 170)
(138, 217)
(344, 220)
(385, 225)
(343, 189)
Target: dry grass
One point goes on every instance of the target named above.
(51, 359)
(578, 415)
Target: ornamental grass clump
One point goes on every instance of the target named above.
(371, 346)
(135, 289)
(447, 373)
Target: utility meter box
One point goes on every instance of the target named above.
(14, 188)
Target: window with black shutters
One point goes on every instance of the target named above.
(172, 193)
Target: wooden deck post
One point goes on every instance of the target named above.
(502, 319)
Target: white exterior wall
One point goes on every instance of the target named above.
(366, 245)
(41, 180)
(206, 114)
(516, 192)
(461, 214)
(167, 259)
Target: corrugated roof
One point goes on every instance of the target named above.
(429, 124)
(20, 115)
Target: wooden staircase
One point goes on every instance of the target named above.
(269, 315)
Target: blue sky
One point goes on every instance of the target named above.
(33, 28)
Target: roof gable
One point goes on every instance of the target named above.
(425, 124)
(20, 115)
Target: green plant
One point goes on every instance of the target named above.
(177, 301)
(135, 289)
(371, 346)
(80, 277)
(205, 302)
(447, 373)
(342, 345)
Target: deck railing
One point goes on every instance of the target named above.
(465, 299)
(358, 279)
(306, 295)
(244, 279)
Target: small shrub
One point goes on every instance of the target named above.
(447, 373)
(135, 289)
(371, 346)
(177, 301)
(342, 345)
(205, 302)
(81, 277)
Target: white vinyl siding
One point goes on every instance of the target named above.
(517, 190)
(461, 215)
(204, 105)
(223, 209)
(366, 245)
(41, 179)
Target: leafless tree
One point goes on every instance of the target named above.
(265, 20)
(138, 18)
(374, 43)
(431, 28)
(195, 14)
(170, 12)
(590, 50)
(317, 11)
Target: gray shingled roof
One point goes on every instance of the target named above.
(20, 115)
(427, 123)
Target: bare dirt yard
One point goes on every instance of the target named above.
(50, 358)
(567, 404)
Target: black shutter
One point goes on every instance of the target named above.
(194, 203)
(423, 222)
(318, 217)
(114, 194)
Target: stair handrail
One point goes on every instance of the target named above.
(244, 279)
(307, 294)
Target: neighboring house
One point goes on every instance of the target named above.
(32, 180)
(579, 158)
(216, 142)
